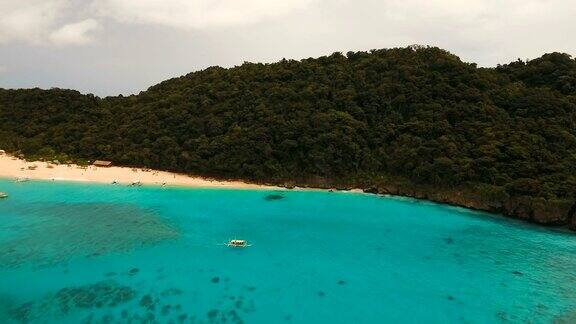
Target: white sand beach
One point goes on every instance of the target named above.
(14, 168)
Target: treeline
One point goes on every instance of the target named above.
(415, 115)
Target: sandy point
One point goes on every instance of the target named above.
(15, 168)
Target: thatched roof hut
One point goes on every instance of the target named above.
(104, 164)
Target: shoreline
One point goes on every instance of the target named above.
(547, 215)
(14, 168)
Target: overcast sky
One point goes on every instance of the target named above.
(108, 47)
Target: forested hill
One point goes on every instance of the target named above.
(414, 121)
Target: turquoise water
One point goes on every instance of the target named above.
(72, 253)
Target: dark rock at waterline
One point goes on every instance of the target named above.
(274, 197)
(548, 212)
(540, 211)
(572, 217)
(372, 190)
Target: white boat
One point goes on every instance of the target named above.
(238, 243)
(3, 195)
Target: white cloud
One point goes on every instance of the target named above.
(65, 22)
(195, 14)
(479, 11)
(493, 30)
(28, 20)
(74, 34)
(43, 22)
(488, 31)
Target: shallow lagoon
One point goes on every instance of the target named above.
(72, 252)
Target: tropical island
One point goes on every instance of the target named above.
(415, 121)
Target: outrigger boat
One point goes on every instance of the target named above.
(3, 195)
(238, 243)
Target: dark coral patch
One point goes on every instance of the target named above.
(83, 229)
(147, 302)
(274, 197)
(250, 288)
(165, 310)
(182, 317)
(99, 295)
(149, 318)
(102, 294)
(133, 271)
(215, 280)
(212, 314)
(234, 317)
(88, 319)
(22, 313)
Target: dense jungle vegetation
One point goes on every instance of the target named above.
(416, 115)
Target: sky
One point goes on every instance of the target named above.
(111, 47)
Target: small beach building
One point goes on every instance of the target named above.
(104, 164)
